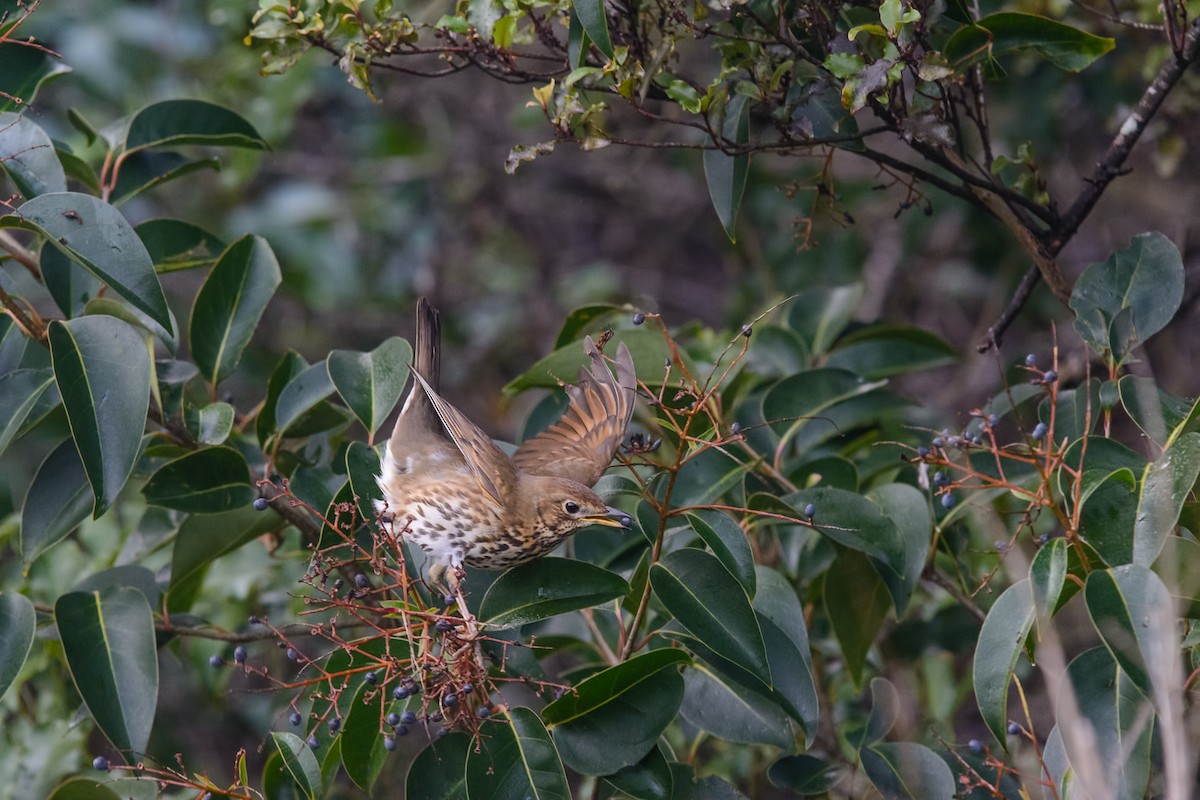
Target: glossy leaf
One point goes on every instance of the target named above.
(781, 618)
(880, 351)
(603, 687)
(108, 641)
(686, 581)
(820, 315)
(300, 762)
(20, 391)
(594, 20)
(1144, 280)
(202, 538)
(1047, 576)
(205, 481)
(19, 623)
(730, 713)
(1166, 485)
(804, 774)
(70, 286)
(908, 770)
(438, 770)
(214, 423)
(885, 710)
(547, 587)
(1157, 413)
(59, 498)
(857, 602)
(908, 511)
(102, 367)
(802, 401)
(174, 244)
(647, 347)
(1001, 640)
(179, 122)
(1062, 45)
(649, 779)
(148, 169)
(23, 71)
(87, 789)
(1133, 612)
(516, 758)
(291, 365)
(726, 174)
(371, 383)
(302, 393)
(27, 155)
(362, 469)
(230, 304)
(94, 235)
(363, 753)
(728, 542)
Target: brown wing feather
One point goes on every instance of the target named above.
(581, 444)
(491, 468)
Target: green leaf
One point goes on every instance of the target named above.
(20, 391)
(70, 285)
(291, 365)
(727, 712)
(648, 348)
(94, 234)
(27, 155)
(302, 394)
(728, 542)
(857, 601)
(909, 513)
(807, 775)
(686, 581)
(1114, 761)
(88, 789)
(649, 779)
(300, 763)
(230, 304)
(147, 169)
(594, 20)
(908, 770)
(820, 315)
(178, 122)
(1063, 46)
(362, 469)
(205, 481)
(515, 759)
(726, 174)
(880, 351)
(781, 618)
(438, 771)
(371, 383)
(214, 423)
(1156, 412)
(798, 404)
(108, 641)
(363, 753)
(59, 498)
(1001, 640)
(19, 623)
(23, 71)
(547, 587)
(1132, 609)
(1047, 576)
(1145, 280)
(1166, 484)
(203, 538)
(885, 710)
(102, 367)
(174, 244)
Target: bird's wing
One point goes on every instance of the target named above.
(487, 462)
(581, 444)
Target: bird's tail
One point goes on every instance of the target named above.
(417, 416)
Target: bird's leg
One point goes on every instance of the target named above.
(437, 581)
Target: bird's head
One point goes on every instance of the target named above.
(564, 506)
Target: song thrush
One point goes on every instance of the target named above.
(465, 502)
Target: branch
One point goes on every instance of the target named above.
(22, 256)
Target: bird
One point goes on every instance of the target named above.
(457, 495)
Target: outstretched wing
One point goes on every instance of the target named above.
(581, 444)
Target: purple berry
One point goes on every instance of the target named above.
(292, 654)
(239, 654)
(1013, 729)
(975, 746)
(294, 718)
(1039, 431)
(467, 688)
(216, 662)
(448, 600)
(402, 731)
(937, 442)
(261, 504)
(100, 763)
(393, 719)
(389, 743)
(639, 318)
(747, 330)
(1050, 377)
(735, 428)
(922, 452)
(371, 678)
(399, 693)
(948, 501)
(939, 479)
(810, 511)
(483, 712)
(314, 742)
(443, 626)
(254, 620)
(334, 724)
(408, 718)
(450, 700)
(361, 581)
(1031, 360)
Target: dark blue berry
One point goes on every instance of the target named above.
(443, 625)
(939, 479)
(1001, 546)
(100, 763)
(254, 620)
(402, 731)
(314, 742)
(389, 743)
(292, 654)
(992, 420)
(450, 700)
(448, 600)
(1039, 431)
(261, 504)
(735, 428)
(747, 330)
(215, 661)
(937, 442)
(922, 452)
(467, 688)
(483, 712)
(393, 719)
(408, 717)
(1031, 360)
(1013, 729)
(239, 654)
(975, 746)
(639, 318)
(371, 678)
(810, 510)
(361, 581)
(399, 693)
(294, 718)
(338, 584)
(334, 724)
(948, 500)
(1050, 377)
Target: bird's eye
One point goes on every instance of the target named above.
(571, 507)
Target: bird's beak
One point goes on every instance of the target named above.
(611, 518)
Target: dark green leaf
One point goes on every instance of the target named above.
(686, 581)
(1063, 46)
(649, 779)
(95, 235)
(515, 759)
(856, 600)
(87, 789)
(230, 304)
(1146, 278)
(19, 622)
(130, 575)
(729, 713)
(20, 391)
(1153, 410)
(820, 315)
(728, 542)
(594, 20)
(302, 394)
(102, 367)
(605, 686)
(726, 174)
(908, 770)
(300, 762)
(27, 155)
(908, 511)
(547, 587)
(804, 774)
(59, 498)
(1132, 609)
(147, 169)
(205, 481)
(23, 70)
(202, 538)
(647, 347)
(362, 469)
(438, 772)
(291, 365)
(363, 753)
(1047, 576)
(885, 710)
(1166, 484)
(1001, 640)
(781, 618)
(108, 641)
(800, 401)
(178, 122)
(880, 351)
(371, 383)
(174, 244)
(70, 285)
